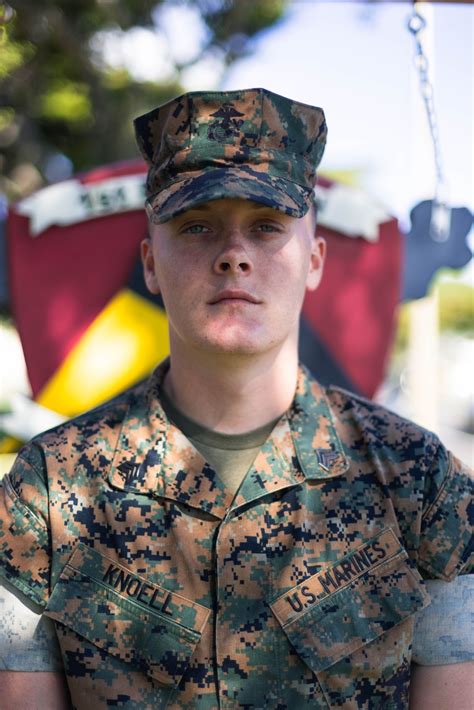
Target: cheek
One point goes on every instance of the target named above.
(290, 272)
(178, 276)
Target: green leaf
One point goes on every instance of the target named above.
(68, 102)
(13, 55)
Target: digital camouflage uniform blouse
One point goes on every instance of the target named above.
(299, 593)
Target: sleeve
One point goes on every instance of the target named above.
(25, 549)
(27, 640)
(446, 537)
(444, 630)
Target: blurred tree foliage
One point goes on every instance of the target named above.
(59, 101)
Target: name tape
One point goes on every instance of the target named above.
(133, 587)
(90, 563)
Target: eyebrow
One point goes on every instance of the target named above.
(206, 206)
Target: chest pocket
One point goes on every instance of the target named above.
(151, 629)
(350, 604)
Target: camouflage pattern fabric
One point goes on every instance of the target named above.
(300, 592)
(250, 144)
(444, 631)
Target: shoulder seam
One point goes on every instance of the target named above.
(31, 464)
(441, 491)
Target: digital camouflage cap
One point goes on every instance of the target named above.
(250, 144)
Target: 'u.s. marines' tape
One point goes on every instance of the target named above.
(151, 597)
(365, 558)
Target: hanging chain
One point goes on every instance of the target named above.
(440, 213)
(6, 15)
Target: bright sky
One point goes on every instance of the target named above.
(356, 61)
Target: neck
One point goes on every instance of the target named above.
(232, 394)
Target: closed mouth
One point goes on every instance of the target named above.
(234, 295)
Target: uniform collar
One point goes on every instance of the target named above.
(313, 426)
(153, 457)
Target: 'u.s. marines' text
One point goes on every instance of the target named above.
(338, 576)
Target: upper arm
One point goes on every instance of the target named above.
(444, 630)
(446, 539)
(443, 648)
(27, 639)
(441, 687)
(33, 691)
(25, 550)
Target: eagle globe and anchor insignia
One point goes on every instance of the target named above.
(226, 125)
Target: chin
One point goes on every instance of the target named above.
(236, 344)
(235, 348)
(242, 339)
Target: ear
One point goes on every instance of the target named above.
(148, 261)
(318, 255)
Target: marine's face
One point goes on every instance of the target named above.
(233, 275)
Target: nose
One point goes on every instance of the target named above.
(233, 258)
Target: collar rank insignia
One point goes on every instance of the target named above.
(326, 457)
(130, 469)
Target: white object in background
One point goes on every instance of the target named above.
(71, 201)
(350, 210)
(28, 418)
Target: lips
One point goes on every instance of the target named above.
(232, 294)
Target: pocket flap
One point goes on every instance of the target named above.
(118, 611)
(357, 599)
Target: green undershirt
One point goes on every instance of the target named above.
(230, 455)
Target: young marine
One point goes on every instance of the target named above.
(230, 533)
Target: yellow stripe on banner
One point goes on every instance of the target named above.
(123, 345)
(7, 459)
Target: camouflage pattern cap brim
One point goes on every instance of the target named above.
(251, 144)
(239, 183)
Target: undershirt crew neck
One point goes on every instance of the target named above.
(230, 455)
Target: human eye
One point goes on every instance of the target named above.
(268, 227)
(195, 229)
